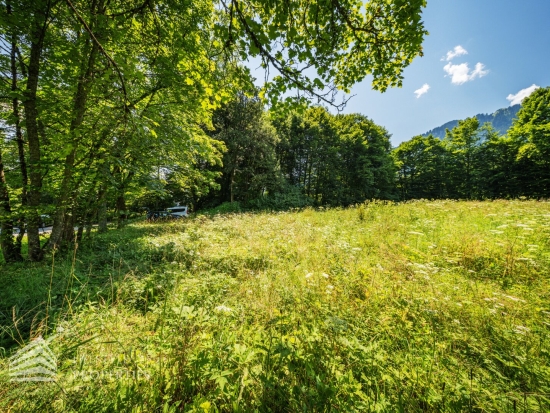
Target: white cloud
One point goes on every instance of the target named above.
(461, 73)
(457, 51)
(522, 94)
(422, 91)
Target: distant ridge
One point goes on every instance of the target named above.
(501, 121)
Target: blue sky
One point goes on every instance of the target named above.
(511, 41)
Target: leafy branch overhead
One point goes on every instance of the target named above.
(319, 47)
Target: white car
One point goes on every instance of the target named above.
(178, 211)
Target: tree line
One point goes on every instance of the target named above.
(474, 161)
(312, 157)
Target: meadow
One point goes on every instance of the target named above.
(425, 306)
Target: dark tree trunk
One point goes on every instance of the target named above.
(33, 139)
(102, 210)
(18, 137)
(121, 209)
(88, 225)
(79, 233)
(7, 243)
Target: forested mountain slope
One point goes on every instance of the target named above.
(501, 121)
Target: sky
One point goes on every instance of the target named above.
(505, 45)
(478, 53)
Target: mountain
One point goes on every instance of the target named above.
(501, 121)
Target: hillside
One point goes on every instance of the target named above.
(501, 121)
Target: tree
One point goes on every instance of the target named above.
(341, 41)
(531, 130)
(422, 164)
(463, 144)
(249, 164)
(336, 160)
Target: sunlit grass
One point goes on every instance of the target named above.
(423, 306)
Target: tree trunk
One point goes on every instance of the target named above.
(18, 137)
(33, 139)
(7, 244)
(63, 226)
(231, 184)
(122, 213)
(79, 232)
(102, 209)
(88, 224)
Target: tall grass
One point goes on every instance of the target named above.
(422, 306)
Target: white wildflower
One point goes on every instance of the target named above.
(521, 330)
(223, 308)
(513, 298)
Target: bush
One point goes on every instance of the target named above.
(290, 197)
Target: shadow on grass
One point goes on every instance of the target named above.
(34, 295)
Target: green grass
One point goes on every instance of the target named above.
(422, 306)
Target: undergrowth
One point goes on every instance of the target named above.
(416, 307)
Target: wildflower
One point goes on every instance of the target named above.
(325, 275)
(223, 308)
(513, 298)
(416, 233)
(521, 330)
(309, 275)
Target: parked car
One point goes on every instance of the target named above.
(175, 212)
(157, 215)
(179, 211)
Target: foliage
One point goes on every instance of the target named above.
(100, 96)
(249, 166)
(421, 306)
(421, 168)
(476, 162)
(335, 160)
(532, 130)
